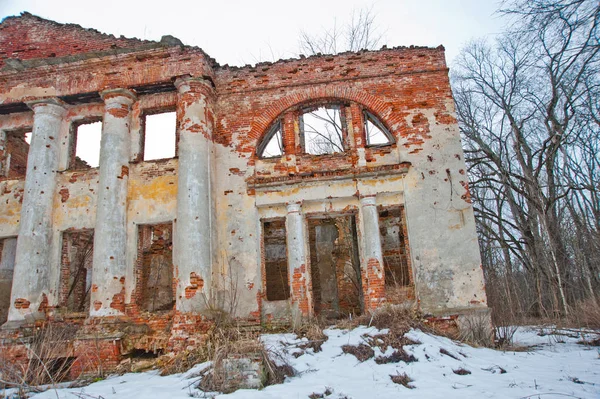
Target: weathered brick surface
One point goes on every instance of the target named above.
(407, 89)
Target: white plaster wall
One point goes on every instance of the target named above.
(441, 225)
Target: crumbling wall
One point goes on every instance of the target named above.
(422, 169)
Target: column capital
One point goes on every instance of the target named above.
(119, 96)
(185, 83)
(51, 105)
(370, 200)
(294, 207)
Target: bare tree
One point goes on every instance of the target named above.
(528, 109)
(361, 33)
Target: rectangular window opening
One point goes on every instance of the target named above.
(76, 270)
(155, 286)
(335, 266)
(87, 137)
(159, 135)
(394, 245)
(276, 265)
(323, 130)
(17, 150)
(8, 249)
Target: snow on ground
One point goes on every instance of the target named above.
(557, 367)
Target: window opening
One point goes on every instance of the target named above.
(335, 266)
(17, 151)
(159, 135)
(276, 265)
(323, 130)
(154, 272)
(272, 144)
(8, 249)
(375, 132)
(76, 270)
(87, 145)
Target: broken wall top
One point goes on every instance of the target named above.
(74, 64)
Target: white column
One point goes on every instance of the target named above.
(372, 273)
(30, 287)
(194, 224)
(110, 235)
(298, 264)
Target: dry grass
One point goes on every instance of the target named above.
(586, 314)
(402, 379)
(220, 378)
(223, 345)
(361, 351)
(49, 361)
(313, 332)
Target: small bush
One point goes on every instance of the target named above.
(362, 352)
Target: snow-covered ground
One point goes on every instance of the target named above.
(557, 367)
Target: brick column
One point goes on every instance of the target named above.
(110, 236)
(372, 272)
(192, 252)
(298, 265)
(30, 287)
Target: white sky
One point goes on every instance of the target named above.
(238, 32)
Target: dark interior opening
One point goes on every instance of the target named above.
(275, 253)
(335, 266)
(155, 267)
(76, 270)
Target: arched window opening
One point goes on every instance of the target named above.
(375, 133)
(323, 130)
(272, 144)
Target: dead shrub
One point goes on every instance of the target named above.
(476, 329)
(399, 355)
(361, 351)
(216, 337)
(49, 360)
(393, 338)
(402, 379)
(223, 377)
(505, 335)
(586, 314)
(461, 371)
(312, 331)
(397, 318)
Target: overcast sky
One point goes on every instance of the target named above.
(239, 32)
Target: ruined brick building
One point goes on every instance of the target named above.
(319, 186)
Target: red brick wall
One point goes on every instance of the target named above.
(28, 37)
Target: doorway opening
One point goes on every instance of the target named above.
(335, 266)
